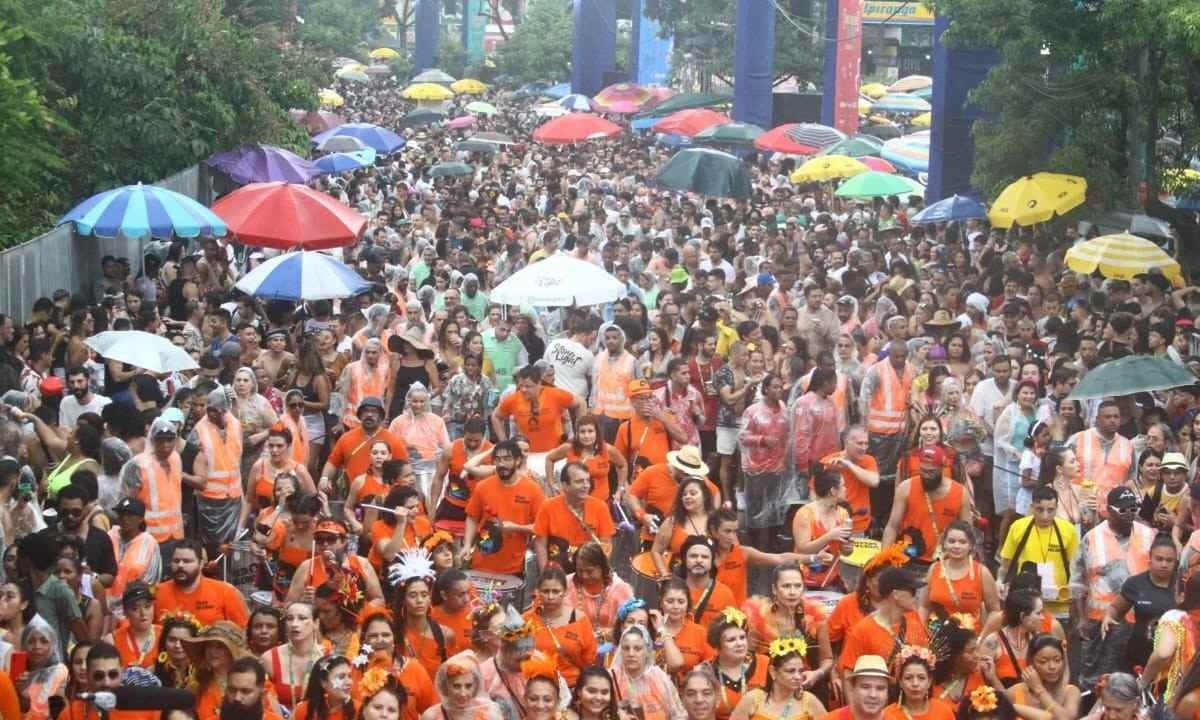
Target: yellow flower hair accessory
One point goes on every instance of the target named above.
(786, 646)
(373, 680)
(983, 699)
(734, 616)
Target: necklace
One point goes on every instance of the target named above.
(309, 661)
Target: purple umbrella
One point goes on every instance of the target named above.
(263, 163)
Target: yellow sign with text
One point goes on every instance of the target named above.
(896, 12)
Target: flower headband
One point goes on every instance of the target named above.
(539, 667)
(374, 680)
(734, 616)
(441, 536)
(781, 647)
(983, 699)
(909, 652)
(182, 616)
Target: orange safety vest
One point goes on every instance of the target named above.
(299, 437)
(1105, 548)
(889, 404)
(839, 398)
(224, 480)
(1109, 470)
(364, 384)
(612, 386)
(162, 494)
(140, 554)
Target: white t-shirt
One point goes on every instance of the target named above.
(70, 409)
(572, 365)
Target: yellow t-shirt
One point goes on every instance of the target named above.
(1043, 548)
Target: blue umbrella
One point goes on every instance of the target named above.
(135, 211)
(384, 141)
(958, 207)
(555, 92)
(672, 140)
(576, 103)
(247, 164)
(901, 103)
(343, 162)
(304, 275)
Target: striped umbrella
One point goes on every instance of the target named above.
(815, 135)
(623, 93)
(777, 140)
(909, 152)
(138, 211)
(901, 103)
(576, 102)
(1121, 256)
(857, 147)
(304, 275)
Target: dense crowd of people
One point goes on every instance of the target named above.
(817, 462)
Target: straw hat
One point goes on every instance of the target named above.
(688, 461)
(413, 336)
(941, 319)
(224, 632)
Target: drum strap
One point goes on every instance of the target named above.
(516, 700)
(1062, 549)
(435, 629)
(588, 528)
(702, 605)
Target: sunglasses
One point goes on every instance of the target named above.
(326, 539)
(114, 674)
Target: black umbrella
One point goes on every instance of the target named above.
(417, 118)
(886, 132)
(472, 145)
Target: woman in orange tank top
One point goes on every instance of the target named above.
(1047, 688)
(913, 672)
(958, 583)
(1022, 620)
(787, 614)
(560, 630)
(275, 461)
(368, 487)
(290, 540)
(597, 456)
(823, 526)
(420, 636)
(960, 668)
(689, 516)
(327, 696)
(690, 638)
(452, 593)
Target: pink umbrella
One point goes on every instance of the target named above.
(632, 93)
(877, 163)
(659, 93)
(621, 107)
(461, 122)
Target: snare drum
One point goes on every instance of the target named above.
(505, 588)
(261, 599)
(646, 578)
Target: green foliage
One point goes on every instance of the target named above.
(452, 56)
(540, 47)
(1084, 87)
(337, 27)
(135, 90)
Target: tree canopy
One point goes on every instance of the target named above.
(540, 47)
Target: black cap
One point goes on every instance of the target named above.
(131, 506)
(135, 591)
(898, 579)
(1123, 497)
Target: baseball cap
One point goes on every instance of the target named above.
(370, 402)
(639, 387)
(933, 455)
(331, 526)
(1174, 461)
(172, 414)
(51, 386)
(131, 506)
(895, 578)
(765, 278)
(679, 274)
(1123, 498)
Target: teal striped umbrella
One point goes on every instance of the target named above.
(902, 103)
(138, 211)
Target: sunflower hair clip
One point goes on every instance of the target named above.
(734, 616)
(786, 646)
(983, 699)
(374, 680)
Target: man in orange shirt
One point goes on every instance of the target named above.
(104, 674)
(709, 596)
(860, 473)
(245, 698)
(646, 437)
(867, 692)
(652, 494)
(537, 411)
(571, 518)
(352, 452)
(501, 513)
(187, 590)
(894, 624)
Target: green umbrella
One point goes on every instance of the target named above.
(687, 101)
(1131, 374)
(481, 108)
(481, 146)
(450, 169)
(420, 117)
(706, 172)
(734, 133)
(855, 147)
(878, 184)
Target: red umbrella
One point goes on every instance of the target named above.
(574, 128)
(658, 93)
(877, 163)
(623, 93)
(286, 217)
(690, 122)
(777, 140)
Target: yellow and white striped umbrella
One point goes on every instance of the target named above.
(1121, 256)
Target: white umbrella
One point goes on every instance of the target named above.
(559, 281)
(142, 350)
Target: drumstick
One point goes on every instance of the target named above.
(241, 535)
(624, 518)
(379, 508)
(832, 567)
(312, 563)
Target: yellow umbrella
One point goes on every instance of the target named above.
(874, 90)
(330, 98)
(426, 91)
(384, 54)
(864, 106)
(1121, 256)
(827, 167)
(1037, 198)
(468, 86)
(923, 120)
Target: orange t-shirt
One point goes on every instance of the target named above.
(638, 438)
(459, 622)
(964, 595)
(844, 616)
(127, 647)
(427, 650)
(720, 598)
(731, 570)
(545, 430)
(517, 503)
(868, 637)
(732, 688)
(938, 710)
(598, 467)
(556, 519)
(352, 451)
(857, 494)
(212, 600)
(573, 644)
(656, 488)
(692, 641)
